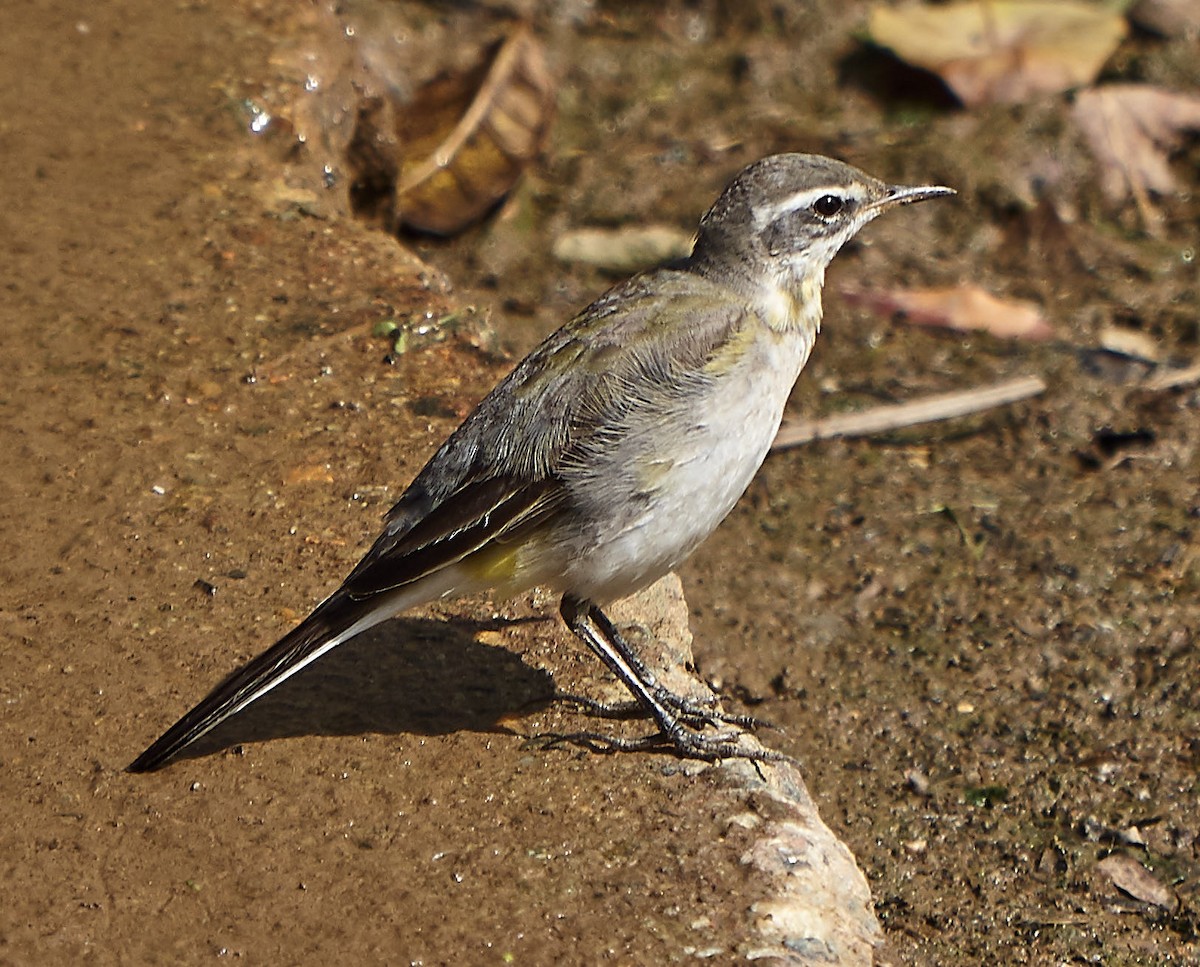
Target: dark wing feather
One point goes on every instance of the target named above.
(481, 512)
(288, 655)
(475, 515)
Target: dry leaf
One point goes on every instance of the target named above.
(964, 308)
(1131, 128)
(1169, 18)
(466, 139)
(1131, 877)
(1005, 52)
(623, 250)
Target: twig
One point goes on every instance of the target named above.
(1174, 378)
(944, 406)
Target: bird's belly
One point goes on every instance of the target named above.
(664, 485)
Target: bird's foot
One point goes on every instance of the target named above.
(685, 742)
(697, 713)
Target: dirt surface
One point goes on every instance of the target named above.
(980, 640)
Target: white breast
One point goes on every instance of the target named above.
(659, 492)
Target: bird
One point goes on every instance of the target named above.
(611, 451)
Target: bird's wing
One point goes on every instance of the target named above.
(658, 329)
(498, 473)
(474, 515)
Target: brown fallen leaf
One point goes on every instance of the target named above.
(465, 139)
(1168, 18)
(1131, 129)
(964, 308)
(1002, 52)
(1129, 876)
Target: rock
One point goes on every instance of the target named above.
(818, 905)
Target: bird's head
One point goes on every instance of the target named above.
(780, 222)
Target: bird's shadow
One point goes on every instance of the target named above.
(408, 675)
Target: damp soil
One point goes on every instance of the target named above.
(980, 639)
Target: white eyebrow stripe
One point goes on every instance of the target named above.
(801, 199)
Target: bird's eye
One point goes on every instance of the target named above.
(828, 205)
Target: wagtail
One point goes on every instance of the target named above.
(612, 450)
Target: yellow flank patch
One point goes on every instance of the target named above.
(493, 563)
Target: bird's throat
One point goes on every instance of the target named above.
(789, 304)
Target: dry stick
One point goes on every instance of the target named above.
(944, 406)
(1174, 378)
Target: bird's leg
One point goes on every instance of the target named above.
(695, 712)
(673, 714)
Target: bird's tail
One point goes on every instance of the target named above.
(336, 620)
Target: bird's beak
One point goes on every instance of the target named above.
(907, 194)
